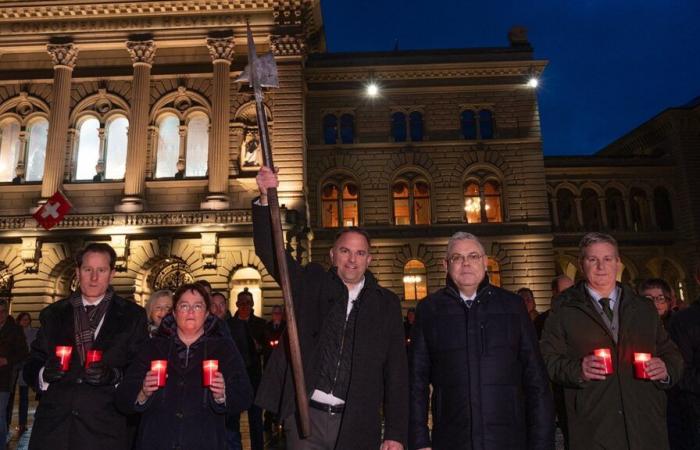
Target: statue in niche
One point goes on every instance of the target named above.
(251, 153)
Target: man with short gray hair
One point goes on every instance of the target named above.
(475, 345)
(607, 407)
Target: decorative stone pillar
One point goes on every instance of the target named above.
(221, 51)
(64, 57)
(142, 54)
(21, 169)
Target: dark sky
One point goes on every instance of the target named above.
(613, 64)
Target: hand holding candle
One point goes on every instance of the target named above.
(640, 370)
(159, 368)
(93, 356)
(218, 388)
(63, 353)
(592, 368)
(651, 368)
(209, 368)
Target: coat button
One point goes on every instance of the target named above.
(79, 380)
(75, 412)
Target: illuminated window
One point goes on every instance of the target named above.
(335, 206)
(9, 149)
(182, 151)
(415, 282)
(38, 132)
(494, 271)
(411, 199)
(482, 202)
(197, 145)
(88, 144)
(115, 152)
(168, 151)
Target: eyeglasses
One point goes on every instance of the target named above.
(186, 307)
(458, 258)
(165, 309)
(658, 299)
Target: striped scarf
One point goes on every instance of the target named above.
(85, 323)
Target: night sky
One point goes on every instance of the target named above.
(613, 64)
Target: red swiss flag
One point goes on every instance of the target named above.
(53, 211)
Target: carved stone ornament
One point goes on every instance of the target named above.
(103, 104)
(287, 45)
(63, 54)
(141, 51)
(221, 48)
(24, 106)
(182, 100)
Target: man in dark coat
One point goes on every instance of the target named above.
(614, 411)
(475, 345)
(352, 346)
(13, 350)
(77, 409)
(248, 332)
(685, 331)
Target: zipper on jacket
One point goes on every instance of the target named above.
(340, 355)
(483, 338)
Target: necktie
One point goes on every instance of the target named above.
(468, 303)
(89, 308)
(605, 304)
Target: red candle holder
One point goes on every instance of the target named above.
(160, 367)
(274, 343)
(606, 355)
(63, 353)
(640, 370)
(93, 356)
(210, 367)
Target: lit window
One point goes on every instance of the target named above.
(482, 202)
(197, 145)
(38, 133)
(116, 143)
(88, 149)
(9, 149)
(494, 271)
(411, 200)
(168, 146)
(334, 206)
(415, 280)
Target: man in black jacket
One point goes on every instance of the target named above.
(352, 346)
(77, 409)
(13, 350)
(475, 345)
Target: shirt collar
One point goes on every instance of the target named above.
(355, 291)
(85, 303)
(596, 296)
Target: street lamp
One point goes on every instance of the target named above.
(372, 89)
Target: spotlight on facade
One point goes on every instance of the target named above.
(533, 82)
(372, 90)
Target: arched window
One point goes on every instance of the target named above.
(197, 145)
(88, 144)
(168, 151)
(247, 278)
(415, 282)
(566, 209)
(494, 271)
(468, 124)
(335, 206)
(9, 148)
(115, 152)
(411, 201)
(615, 210)
(662, 209)
(640, 209)
(330, 129)
(37, 132)
(486, 124)
(590, 207)
(416, 124)
(347, 129)
(482, 201)
(398, 127)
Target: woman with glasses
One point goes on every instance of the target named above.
(659, 292)
(159, 304)
(184, 413)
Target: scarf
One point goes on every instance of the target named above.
(85, 323)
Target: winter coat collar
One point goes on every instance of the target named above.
(452, 289)
(168, 327)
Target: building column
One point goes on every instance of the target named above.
(555, 212)
(221, 51)
(21, 169)
(579, 213)
(142, 54)
(63, 57)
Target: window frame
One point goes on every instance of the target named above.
(411, 179)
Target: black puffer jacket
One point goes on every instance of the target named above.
(184, 414)
(490, 386)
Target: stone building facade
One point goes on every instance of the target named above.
(133, 111)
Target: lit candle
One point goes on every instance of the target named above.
(640, 370)
(274, 343)
(160, 367)
(604, 353)
(63, 353)
(210, 366)
(93, 356)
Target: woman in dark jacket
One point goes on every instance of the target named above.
(185, 414)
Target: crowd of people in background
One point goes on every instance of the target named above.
(472, 366)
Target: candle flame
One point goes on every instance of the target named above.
(640, 357)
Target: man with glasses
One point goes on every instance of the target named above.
(77, 410)
(609, 409)
(475, 345)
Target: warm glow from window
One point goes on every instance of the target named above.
(168, 146)
(494, 271)
(415, 280)
(9, 149)
(401, 210)
(36, 149)
(88, 149)
(329, 203)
